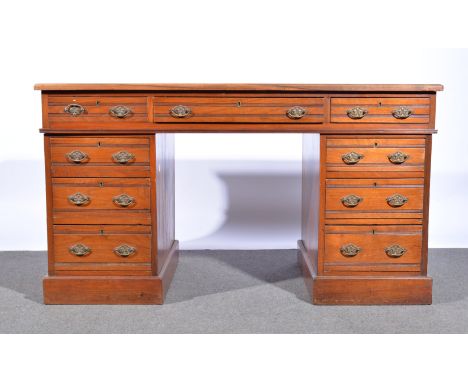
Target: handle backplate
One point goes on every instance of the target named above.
(180, 111)
(74, 109)
(398, 157)
(350, 250)
(352, 157)
(351, 200)
(123, 200)
(123, 157)
(397, 200)
(120, 111)
(357, 112)
(296, 112)
(79, 250)
(395, 250)
(402, 112)
(77, 157)
(79, 199)
(124, 250)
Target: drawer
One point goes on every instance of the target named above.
(101, 194)
(380, 110)
(372, 248)
(101, 201)
(100, 156)
(239, 109)
(106, 249)
(374, 198)
(85, 108)
(375, 157)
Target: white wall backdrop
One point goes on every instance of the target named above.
(233, 190)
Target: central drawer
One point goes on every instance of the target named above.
(239, 109)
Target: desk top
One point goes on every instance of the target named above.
(244, 87)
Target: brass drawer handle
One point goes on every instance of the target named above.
(180, 111)
(74, 109)
(351, 157)
(123, 157)
(351, 200)
(398, 157)
(77, 157)
(79, 250)
(357, 112)
(397, 200)
(123, 200)
(395, 250)
(350, 250)
(79, 199)
(124, 250)
(120, 111)
(402, 112)
(296, 112)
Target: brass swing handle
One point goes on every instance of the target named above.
(350, 250)
(74, 109)
(79, 250)
(296, 112)
(120, 111)
(352, 157)
(180, 111)
(124, 250)
(357, 112)
(77, 156)
(402, 112)
(79, 199)
(395, 250)
(351, 200)
(398, 157)
(397, 200)
(123, 200)
(123, 157)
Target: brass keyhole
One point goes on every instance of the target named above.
(238, 104)
(101, 184)
(98, 102)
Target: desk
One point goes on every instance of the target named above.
(109, 163)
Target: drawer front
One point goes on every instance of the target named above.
(373, 198)
(373, 248)
(100, 156)
(241, 109)
(102, 250)
(101, 194)
(380, 110)
(97, 109)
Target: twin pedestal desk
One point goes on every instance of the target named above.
(109, 157)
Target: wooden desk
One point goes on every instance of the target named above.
(110, 184)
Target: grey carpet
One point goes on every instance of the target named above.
(232, 292)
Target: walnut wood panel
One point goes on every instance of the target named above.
(240, 109)
(311, 195)
(165, 196)
(379, 110)
(96, 108)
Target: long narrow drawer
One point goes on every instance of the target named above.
(90, 249)
(239, 109)
(100, 156)
(380, 110)
(396, 199)
(91, 108)
(373, 248)
(101, 200)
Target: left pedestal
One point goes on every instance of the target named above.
(110, 215)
